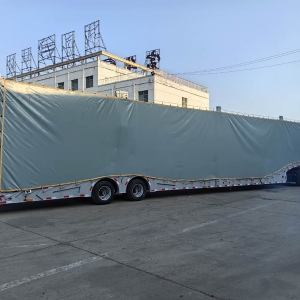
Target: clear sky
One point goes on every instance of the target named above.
(193, 35)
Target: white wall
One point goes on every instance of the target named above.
(132, 86)
(160, 90)
(169, 92)
(108, 78)
(108, 71)
(79, 72)
(102, 73)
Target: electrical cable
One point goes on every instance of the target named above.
(242, 64)
(242, 70)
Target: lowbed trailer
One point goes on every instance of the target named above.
(103, 190)
(59, 144)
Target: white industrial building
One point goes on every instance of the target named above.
(125, 79)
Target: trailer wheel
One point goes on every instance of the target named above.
(136, 190)
(103, 192)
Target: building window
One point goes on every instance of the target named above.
(89, 82)
(74, 84)
(143, 96)
(61, 85)
(184, 102)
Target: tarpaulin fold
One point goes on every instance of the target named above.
(53, 136)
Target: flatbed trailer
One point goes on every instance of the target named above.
(28, 102)
(103, 191)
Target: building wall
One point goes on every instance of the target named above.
(112, 80)
(107, 72)
(130, 87)
(169, 92)
(79, 72)
(102, 73)
(160, 90)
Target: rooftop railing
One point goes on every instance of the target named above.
(185, 82)
(160, 74)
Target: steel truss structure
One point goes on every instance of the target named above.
(69, 49)
(28, 64)
(49, 58)
(47, 51)
(79, 60)
(11, 65)
(93, 39)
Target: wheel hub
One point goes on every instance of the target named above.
(137, 190)
(104, 193)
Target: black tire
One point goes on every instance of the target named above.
(136, 190)
(103, 192)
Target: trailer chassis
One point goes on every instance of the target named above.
(121, 185)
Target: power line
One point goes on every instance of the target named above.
(242, 70)
(242, 64)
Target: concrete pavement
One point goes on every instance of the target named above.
(217, 244)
